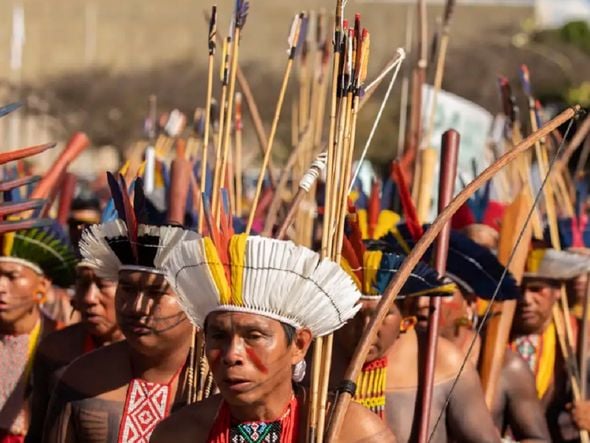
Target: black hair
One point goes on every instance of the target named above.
(289, 333)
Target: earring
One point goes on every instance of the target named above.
(299, 371)
(40, 297)
(408, 324)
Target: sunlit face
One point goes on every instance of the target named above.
(250, 355)
(454, 311)
(148, 312)
(21, 290)
(534, 310)
(94, 298)
(349, 335)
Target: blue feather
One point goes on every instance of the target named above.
(468, 263)
(7, 109)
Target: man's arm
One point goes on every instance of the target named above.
(468, 418)
(363, 426)
(523, 412)
(58, 423)
(41, 376)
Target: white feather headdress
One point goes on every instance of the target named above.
(108, 247)
(260, 275)
(556, 265)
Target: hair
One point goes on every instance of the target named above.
(289, 333)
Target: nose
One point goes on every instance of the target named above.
(89, 296)
(527, 297)
(3, 283)
(233, 354)
(136, 304)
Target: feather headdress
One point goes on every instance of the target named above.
(470, 265)
(264, 276)
(45, 250)
(130, 241)
(372, 269)
(552, 264)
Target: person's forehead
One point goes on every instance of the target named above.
(141, 278)
(540, 282)
(225, 319)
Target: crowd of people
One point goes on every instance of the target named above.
(187, 307)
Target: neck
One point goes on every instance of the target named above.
(158, 367)
(267, 409)
(23, 325)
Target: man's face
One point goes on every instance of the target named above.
(534, 310)
(250, 356)
(454, 311)
(20, 288)
(94, 298)
(349, 335)
(579, 287)
(148, 312)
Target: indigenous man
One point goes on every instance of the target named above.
(94, 299)
(119, 392)
(31, 261)
(260, 301)
(394, 361)
(534, 335)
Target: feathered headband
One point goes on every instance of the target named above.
(46, 250)
(128, 242)
(470, 265)
(372, 270)
(264, 276)
(552, 264)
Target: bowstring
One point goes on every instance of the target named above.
(502, 277)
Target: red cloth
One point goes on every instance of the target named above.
(7, 437)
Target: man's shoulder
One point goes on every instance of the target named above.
(191, 423)
(64, 345)
(360, 424)
(101, 370)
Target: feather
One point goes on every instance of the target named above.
(139, 202)
(525, 80)
(423, 280)
(558, 265)
(470, 265)
(212, 38)
(117, 196)
(408, 207)
(373, 208)
(7, 109)
(130, 219)
(241, 13)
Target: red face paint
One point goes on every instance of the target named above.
(256, 360)
(214, 357)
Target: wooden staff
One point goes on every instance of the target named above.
(18, 225)
(440, 67)
(294, 36)
(427, 158)
(240, 15)
(66, 195)
(414, 257)
(499, 324)
(212, 45)
(18, 154)
(418, 80)
(17, 183)
(448, 174)
(10, 208)
(222, 109)
(180, 172)
(77, 143)
(238, 160)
